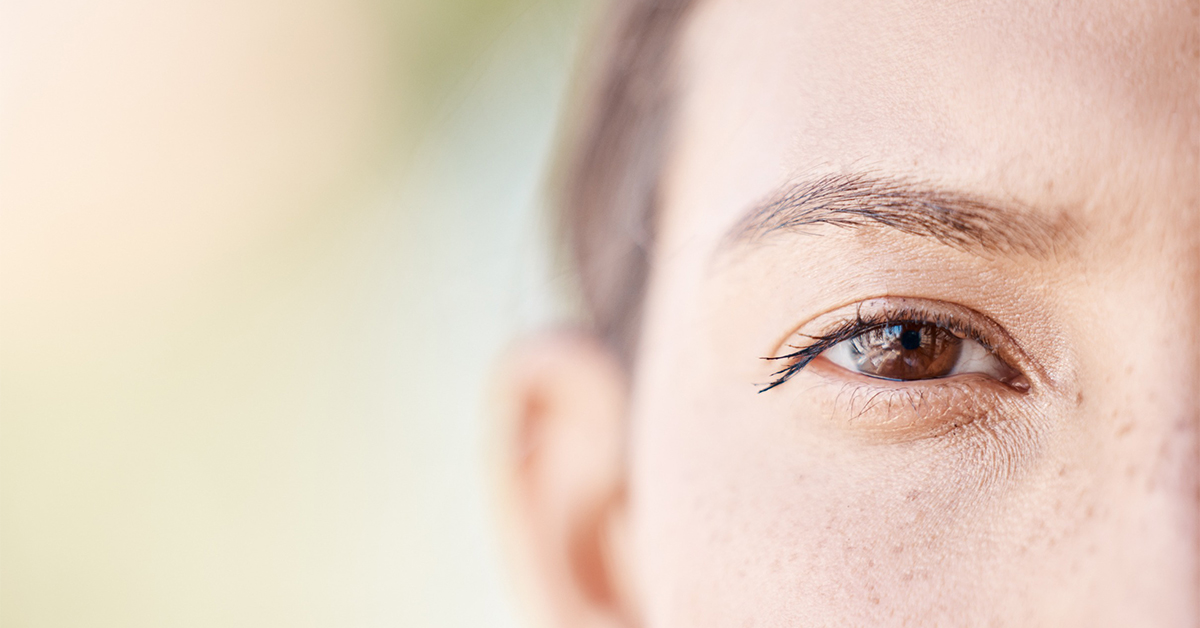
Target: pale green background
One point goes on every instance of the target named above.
(258, 258)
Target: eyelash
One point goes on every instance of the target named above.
(799, 359)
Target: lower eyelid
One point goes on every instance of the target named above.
(1011, 369)
(985, 435)
(894, 411)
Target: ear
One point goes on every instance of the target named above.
(561, 401)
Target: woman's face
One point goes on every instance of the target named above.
(981, 222)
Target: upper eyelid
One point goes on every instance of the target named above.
(888, 315)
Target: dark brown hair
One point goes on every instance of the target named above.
(615, 146)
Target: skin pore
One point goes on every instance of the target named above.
(1025, 177)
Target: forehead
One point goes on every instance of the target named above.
(1065, 106)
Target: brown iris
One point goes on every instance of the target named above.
(905, 351)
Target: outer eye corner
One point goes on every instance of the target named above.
(908, 340)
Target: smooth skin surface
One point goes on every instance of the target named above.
(680, 495)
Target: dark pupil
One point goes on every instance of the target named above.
(906, 351)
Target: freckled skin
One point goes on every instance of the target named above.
(1075, 504)
(837, 499)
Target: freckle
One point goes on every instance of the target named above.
(1062, 472)
(874, 599)
(1124, 429)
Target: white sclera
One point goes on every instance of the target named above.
(974, 358)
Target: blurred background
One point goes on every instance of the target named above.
(257, 258)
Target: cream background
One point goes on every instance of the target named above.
(257, 258)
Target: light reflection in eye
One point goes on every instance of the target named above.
(915, 351)
(905, 340)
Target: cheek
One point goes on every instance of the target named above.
(748, 506)
(745, 510)
(744, 513)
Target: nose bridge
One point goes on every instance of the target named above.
(1183, 302)
(1191, 411)
(1177, 476)
(1160, 326)
(1187, 287)
(1165, 304)
(1173, 281)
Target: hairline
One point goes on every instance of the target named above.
(609, 194)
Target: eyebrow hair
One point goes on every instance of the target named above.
(956, 219)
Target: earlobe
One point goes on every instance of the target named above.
(561, 404)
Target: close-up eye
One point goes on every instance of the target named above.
(913, 351)
(907, 345)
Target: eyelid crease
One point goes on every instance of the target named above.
(907, 314)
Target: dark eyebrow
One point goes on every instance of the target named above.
(956, 219)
